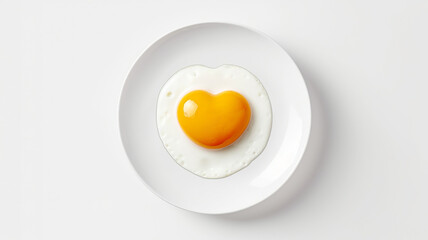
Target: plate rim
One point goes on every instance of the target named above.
(304, 142)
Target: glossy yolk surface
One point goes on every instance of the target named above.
(213, 121)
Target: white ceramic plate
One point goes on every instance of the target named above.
(215, 44)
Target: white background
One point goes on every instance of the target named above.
(64, 173)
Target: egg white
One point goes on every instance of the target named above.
(210, 163)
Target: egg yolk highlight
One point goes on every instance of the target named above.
(213, 121)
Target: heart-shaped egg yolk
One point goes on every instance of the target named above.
(213, 121)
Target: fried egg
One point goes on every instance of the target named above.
(214, 121)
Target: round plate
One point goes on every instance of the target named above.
(212, 45)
